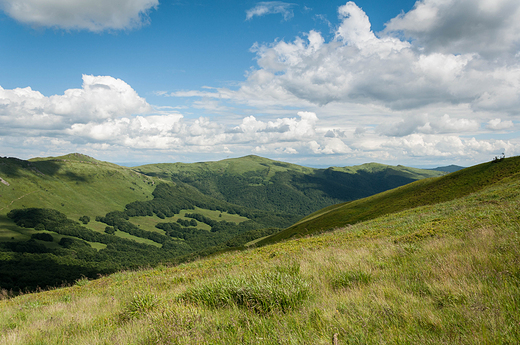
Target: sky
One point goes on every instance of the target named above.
(318, 83)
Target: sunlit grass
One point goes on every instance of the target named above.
(126, 235)
(438, 274)
(73, 186)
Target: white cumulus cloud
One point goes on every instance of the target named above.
(431, 125)
(92, 15)
(101, 97)
(487, 27)
(360, 67)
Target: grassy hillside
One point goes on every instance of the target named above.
(130, 219)
(75, 184)
(269, 185)
(445, 273)
(66, 217)
(419, 193)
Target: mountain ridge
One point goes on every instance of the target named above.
(423, 192)
(259, 182)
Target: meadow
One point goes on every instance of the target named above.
(435, 274)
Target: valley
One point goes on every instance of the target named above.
(99, 217)
(433, 261)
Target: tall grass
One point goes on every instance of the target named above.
(279, 290)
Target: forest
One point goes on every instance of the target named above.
(29, 265)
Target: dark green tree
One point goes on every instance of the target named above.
(84, 219)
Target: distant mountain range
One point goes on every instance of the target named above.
(266, 184)
(449, 168)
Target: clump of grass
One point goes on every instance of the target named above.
(444, 299)
(280, 290)
(140, 304)
(347, 279)
(5, 294)
(82, 281)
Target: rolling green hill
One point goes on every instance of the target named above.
(64, 217)
(264, 184)
(82, 216)
(424, 192)
(75, 184)
(446, 272)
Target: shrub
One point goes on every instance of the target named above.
(84, 219)
(110, 230)
(39, 226)
(68, 242)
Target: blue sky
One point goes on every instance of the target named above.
(423, 83)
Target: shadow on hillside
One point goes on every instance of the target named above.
(12, 167)
(27, 274)
(346, 187)
(8, 224)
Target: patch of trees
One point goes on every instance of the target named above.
(43, 237)
(30, 246)
(199, 239)
(119, 221)
(167, 201)
(186, 223)
(53, 220)
(84, 219)
(26, 272)
(110, 230)
(201, 218)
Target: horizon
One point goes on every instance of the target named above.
(415, 83)
(315, 166)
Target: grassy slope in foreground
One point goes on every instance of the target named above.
(438, 274)
(422, 192)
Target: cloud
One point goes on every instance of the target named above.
(431, 125)
(359, 67)
(330, 146)
(498, 124)
(271, 7)
(101, 97)
(92, 15)
(153, 132)
(450, 147)
(488, 28)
